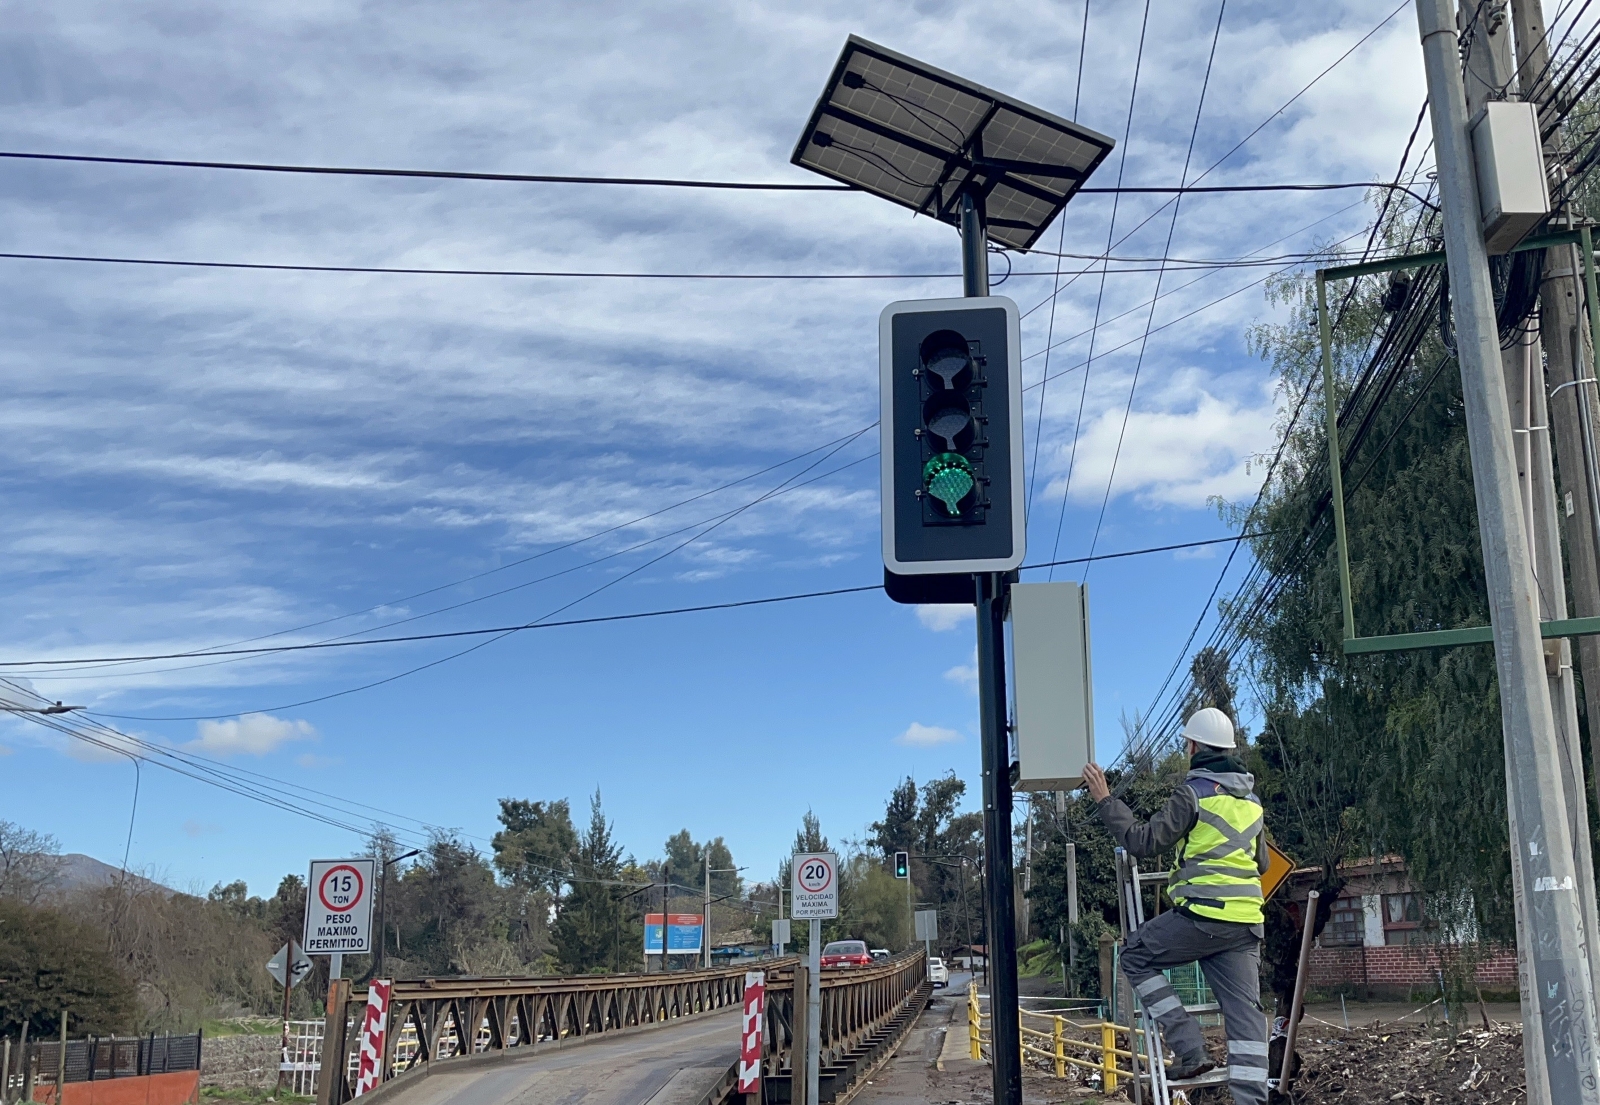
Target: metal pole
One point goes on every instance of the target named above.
(1551, 927)
(1072, 919)
(780, 917)
(1027, 879)
(814, 1015)
(383, 908)
(1001, 954)
(666, 918)
(283, 1042)
(990, 594)
(1330, 411)
(705, 919)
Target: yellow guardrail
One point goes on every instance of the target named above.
(1053, 1042)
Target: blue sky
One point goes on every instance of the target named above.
(189, 458)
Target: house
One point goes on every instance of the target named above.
(1379, 941)
(970, 958)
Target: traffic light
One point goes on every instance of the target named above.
(902, 865)
(951, 411)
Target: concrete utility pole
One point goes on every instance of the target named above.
(1491, 75)
(1561, 1047)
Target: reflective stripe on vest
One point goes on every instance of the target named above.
(1216, 876)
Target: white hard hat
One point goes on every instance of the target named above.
(1210, 727)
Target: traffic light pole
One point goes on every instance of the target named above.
(990, 593)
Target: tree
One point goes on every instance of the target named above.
(450, 911)
(28, 863)
(535, 848)
(49, 961)
(588, 932)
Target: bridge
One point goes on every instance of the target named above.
(623, 1039)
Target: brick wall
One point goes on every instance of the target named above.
(1396, 966)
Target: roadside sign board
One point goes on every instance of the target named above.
(339, 906)
(927, 921)
(780, 931)
(290, 965)
(814, 878)
(686, 930)
(1279, 868)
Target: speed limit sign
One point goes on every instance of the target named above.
(814, 888)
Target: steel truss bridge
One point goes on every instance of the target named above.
(672, 1039)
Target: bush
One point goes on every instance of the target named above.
(50, 961)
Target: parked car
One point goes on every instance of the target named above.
(846, 953)
(881, 953)
(938, 973)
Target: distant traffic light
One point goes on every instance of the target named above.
(902, 865)
(951, 398)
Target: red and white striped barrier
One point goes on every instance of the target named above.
(372, 1033)
(751, 1034)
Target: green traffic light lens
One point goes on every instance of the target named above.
(948, 478)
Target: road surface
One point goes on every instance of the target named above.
(672, 1065)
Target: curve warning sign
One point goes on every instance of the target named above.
(339, 906)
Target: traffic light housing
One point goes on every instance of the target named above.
(902, 865)
(951, 428)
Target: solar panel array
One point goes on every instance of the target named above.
(920, 136)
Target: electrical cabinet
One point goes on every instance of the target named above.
(1052, 686)
(1512, 188)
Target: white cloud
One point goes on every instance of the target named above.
(251, 734)
(919, 735)
(942, 618)
(965, 675)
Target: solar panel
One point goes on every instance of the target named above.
(919, 136)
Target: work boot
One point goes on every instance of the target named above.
(1192, 1067)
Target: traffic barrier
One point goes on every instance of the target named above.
(1050, 1038)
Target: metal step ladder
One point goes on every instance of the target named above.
(1130, 903)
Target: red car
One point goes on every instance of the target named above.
(846, 953)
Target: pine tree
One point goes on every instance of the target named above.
(590, 931)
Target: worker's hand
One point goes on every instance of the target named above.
(1095, 780)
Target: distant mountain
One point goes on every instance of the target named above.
(76, 871)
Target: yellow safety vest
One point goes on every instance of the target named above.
(1215, 876)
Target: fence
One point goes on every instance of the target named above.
(95, 1058)
(1060, 1042)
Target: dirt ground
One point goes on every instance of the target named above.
(1407, 1063)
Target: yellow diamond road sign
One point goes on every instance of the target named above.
(1279, 867)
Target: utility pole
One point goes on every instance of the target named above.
(990, 594)
(1561, 1049)
(705, 918)
(1490, 73)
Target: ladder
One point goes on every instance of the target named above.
(1130, 910)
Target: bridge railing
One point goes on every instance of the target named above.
(444, 1018)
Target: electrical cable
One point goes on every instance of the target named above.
(1144, 341)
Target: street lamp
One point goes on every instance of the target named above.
(705, 916)
(56, 708)
(383, 910)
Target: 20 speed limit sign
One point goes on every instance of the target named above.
(339, 906)
(814, 886)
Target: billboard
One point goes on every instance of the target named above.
(687, 929)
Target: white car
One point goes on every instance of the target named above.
(938, 973)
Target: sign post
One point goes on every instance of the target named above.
(339, 910)
(814, 897)
(290, 967)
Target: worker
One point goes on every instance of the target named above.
(1214, 820)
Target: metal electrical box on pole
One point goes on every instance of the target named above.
(1052, 685)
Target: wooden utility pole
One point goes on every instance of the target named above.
(1562, 1054)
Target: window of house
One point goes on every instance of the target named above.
(1345, 925)
(1402, 918)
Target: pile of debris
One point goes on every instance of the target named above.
(1411, 1065)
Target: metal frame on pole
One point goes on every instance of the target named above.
(990, 594)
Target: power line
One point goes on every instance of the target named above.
(597, 620)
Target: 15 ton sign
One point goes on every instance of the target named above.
(339, 907)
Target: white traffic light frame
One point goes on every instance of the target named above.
(891, 494)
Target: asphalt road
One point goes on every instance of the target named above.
(672, 1065)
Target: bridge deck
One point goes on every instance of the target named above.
(673, 1065)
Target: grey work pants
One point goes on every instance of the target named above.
(1230, 956)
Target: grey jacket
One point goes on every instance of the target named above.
(1173, 821)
